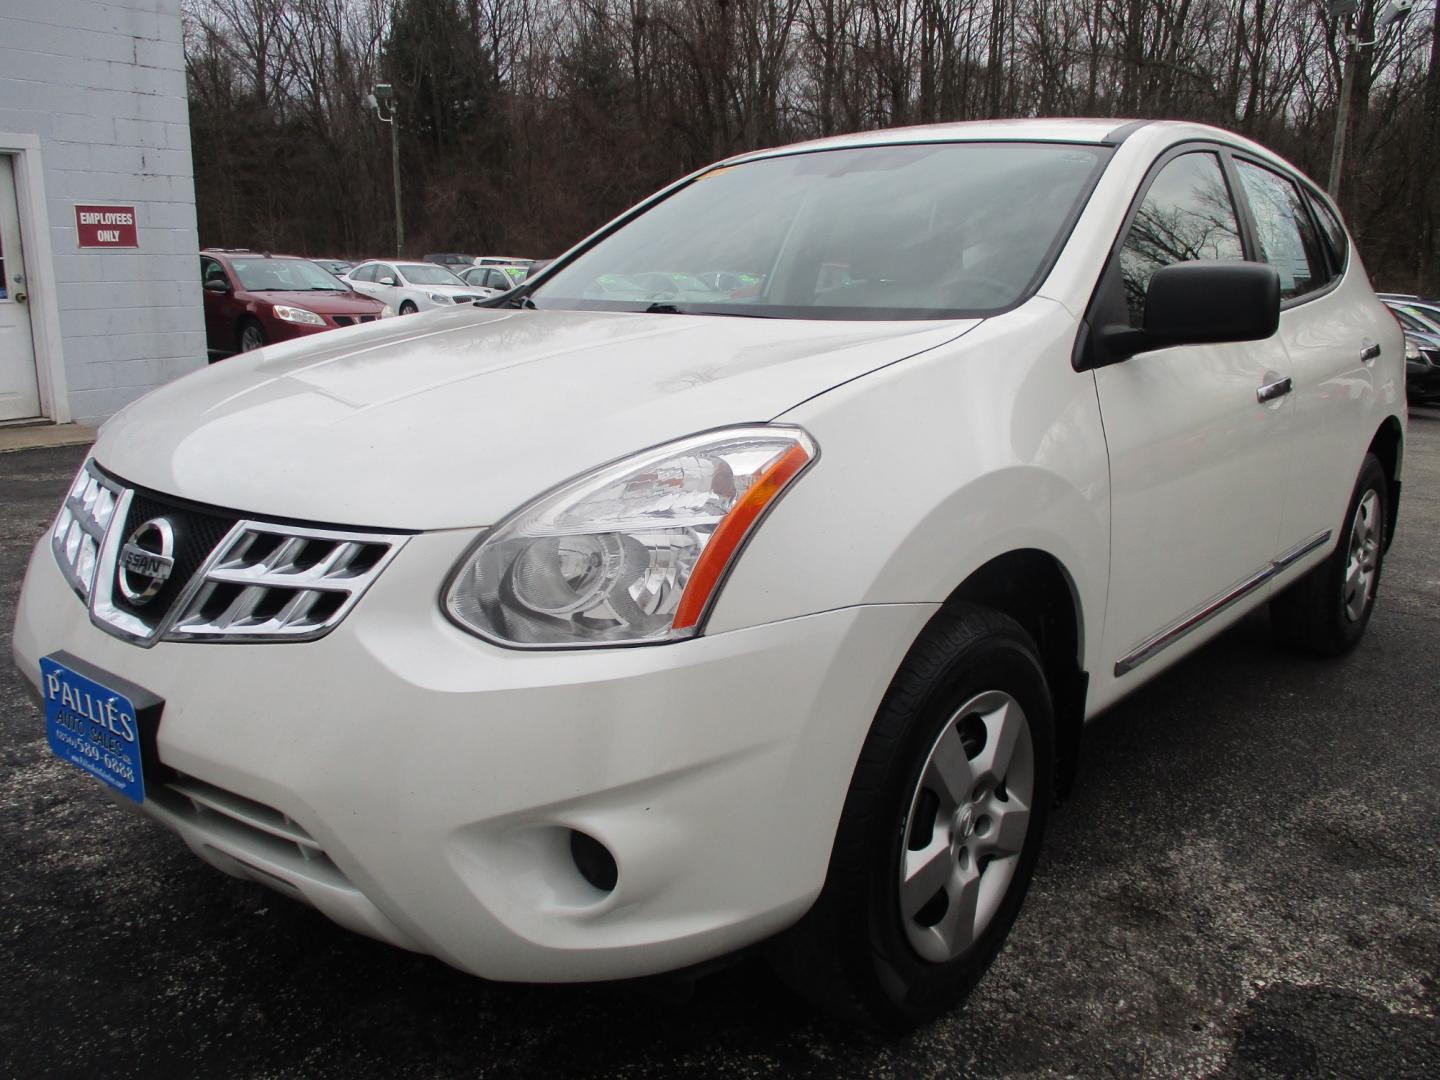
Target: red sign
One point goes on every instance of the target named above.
(106, 226)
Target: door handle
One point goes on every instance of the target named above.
(1369, 354)
(21, 297)
(1271, 391)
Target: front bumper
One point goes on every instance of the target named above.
(419, 785)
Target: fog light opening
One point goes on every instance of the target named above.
(594, 861)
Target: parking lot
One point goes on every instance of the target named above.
(1246, 882)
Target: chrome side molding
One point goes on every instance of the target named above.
(1197, 617)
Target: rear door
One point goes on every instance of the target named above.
(1333, 344)
(362, 279)
(1198, 464)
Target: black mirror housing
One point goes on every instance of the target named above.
(1207, 302)
(1202, 302)
(216, 285)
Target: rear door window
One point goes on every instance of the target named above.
(1331, 229)
(1288, 238)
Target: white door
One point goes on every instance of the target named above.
(1199, 466)
(1333, 340)
(19, 389)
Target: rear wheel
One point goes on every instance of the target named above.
(940, 830)
(252, 336)
(1328, 609)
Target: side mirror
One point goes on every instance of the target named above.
(1202, 302)
(216, 284)
(386, 280)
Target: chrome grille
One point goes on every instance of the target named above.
(273, 581)
(238, 580)
(80, 528)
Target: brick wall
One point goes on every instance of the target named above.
(102, 83)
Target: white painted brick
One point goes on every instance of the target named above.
(84, 127)
(148, 133)
(114, 17)
(177, 136)
(20, 64)
(140, 80)
(67, 155)
(92, 406)
(156, 162)
(125, 159)
(29, 120)
(167, 110)
(168, 215)
(79, 268)
(169, 55)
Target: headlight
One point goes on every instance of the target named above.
(386, 311)
(439, 298)
(297, 315)
(631, 552)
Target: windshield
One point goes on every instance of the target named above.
(890, 232)
(428, 274)
(285, 275)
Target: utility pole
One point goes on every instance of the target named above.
(382, 102)
(1342, 114)
(1390, 13)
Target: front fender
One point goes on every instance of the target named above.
(934, 466)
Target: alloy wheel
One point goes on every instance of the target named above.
(1363, 564)
(969, 816)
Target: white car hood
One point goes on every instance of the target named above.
(458, 417)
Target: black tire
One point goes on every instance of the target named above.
(854, 953)
(252, 336)
(1313, 614)
(408, 308)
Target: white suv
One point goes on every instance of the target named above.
(592, 635)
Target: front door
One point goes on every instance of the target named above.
(19, 388)
(1199, 463)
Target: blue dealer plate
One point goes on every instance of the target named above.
(93, 727)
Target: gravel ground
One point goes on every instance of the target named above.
(1246, 883)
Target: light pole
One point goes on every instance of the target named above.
(382, 102)
(1388, 16)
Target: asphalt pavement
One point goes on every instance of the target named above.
(1245, 883)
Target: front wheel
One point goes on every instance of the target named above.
(1328, 609)
(939, 833)
(408, 308)
(252, 337)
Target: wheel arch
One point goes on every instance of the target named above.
(1388, 446)
(1033, 587)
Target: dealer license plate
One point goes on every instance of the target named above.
(95, 727)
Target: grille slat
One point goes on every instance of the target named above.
(281, 583)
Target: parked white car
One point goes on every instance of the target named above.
(409, 287)
(608, 636)
(494, 279)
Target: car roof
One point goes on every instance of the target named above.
(1083, 130)
(242, 253)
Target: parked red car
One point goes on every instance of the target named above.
(252, 299)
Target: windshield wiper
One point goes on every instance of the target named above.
(662, 307)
